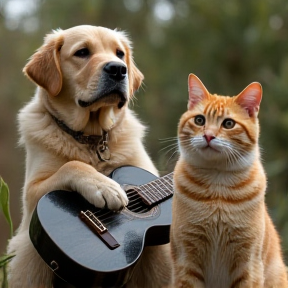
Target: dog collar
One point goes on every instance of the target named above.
(96, 142)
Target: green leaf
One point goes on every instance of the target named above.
(3, 273)
(5, 259)
(4, 203)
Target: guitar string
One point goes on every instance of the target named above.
(135, 199)
(106, 217)
(159, 194)
(164, 192)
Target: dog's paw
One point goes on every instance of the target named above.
(108, 194)
(114, 197)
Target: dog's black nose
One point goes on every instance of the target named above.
(116, 70)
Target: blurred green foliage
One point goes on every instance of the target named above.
(228, 44)
(5, 209)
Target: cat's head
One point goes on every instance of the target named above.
(220, 131)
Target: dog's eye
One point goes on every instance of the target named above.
(120, 54)
(82, 53)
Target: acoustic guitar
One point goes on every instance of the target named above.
(91, 247)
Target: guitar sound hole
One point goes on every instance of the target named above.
(136, 203)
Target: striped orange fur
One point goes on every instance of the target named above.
(221, 234)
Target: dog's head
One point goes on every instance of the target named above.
(85, 69)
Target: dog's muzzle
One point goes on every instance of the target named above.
(115, 70)
(112, 86)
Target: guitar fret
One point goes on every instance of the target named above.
(162, 190)
(156, 194)
(169, 182)
(169, 179)
(148, 196)
(152, 192)
(149, 187)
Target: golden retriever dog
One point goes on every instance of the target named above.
(85, 78)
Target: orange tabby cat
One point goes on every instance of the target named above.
(221, 233)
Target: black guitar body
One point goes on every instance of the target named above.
(76, 253)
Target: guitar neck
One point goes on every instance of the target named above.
(157, 190)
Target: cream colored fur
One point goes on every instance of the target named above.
(54, 160)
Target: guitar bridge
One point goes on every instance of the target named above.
(90, 219)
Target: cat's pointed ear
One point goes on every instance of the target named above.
(197, 91)
(250, 98)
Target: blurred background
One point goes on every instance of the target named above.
(228, 44)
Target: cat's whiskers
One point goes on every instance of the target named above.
(190, 144)
(198, 142)
(170, 146)
(234, 155)
(173, 147)
(230, 156)
(169, 139)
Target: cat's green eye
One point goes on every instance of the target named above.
(199, 120)
(228, 123)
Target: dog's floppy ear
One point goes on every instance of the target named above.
(135, 75)
(44, 68)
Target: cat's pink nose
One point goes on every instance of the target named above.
(209, 138)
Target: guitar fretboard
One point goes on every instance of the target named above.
(157, 190)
